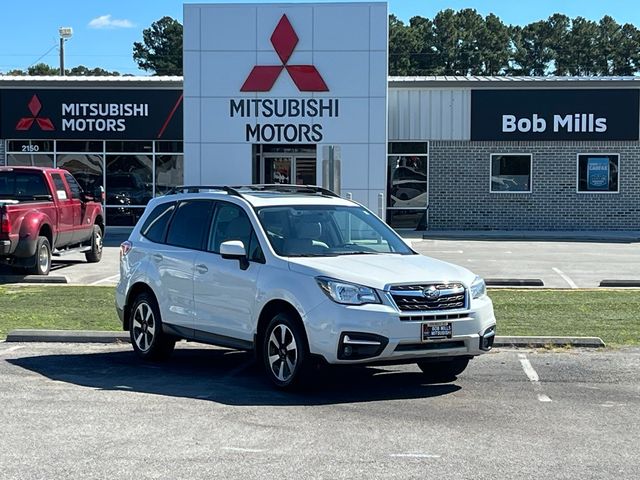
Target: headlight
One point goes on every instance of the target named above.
(478, 288)
(347, 293)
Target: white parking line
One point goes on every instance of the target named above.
(10, 349)
(244, 450)
(446, 251)
(565, 277)
(533, 377)
(104, 280)
(414, 455)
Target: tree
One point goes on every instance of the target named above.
(82, 71)
(532, 54)
(494, 43)
(161, 48)
(41, 69)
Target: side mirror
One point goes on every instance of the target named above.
(98, 194)
(234, 250)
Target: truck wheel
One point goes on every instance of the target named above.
(443, 370)
(95, 254)
(285, 354)
(42, 258)
(145, 328)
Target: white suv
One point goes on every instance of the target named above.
(298, 275)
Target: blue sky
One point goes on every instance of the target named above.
(104, 30)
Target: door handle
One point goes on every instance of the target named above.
(157, 257)
(202, 268)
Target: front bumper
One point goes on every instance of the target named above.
(381, 333)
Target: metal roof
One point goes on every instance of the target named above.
(477, 81)
(433, 81)
(91, 82)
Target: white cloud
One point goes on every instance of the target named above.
(107, 21)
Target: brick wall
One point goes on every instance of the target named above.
(459, 198)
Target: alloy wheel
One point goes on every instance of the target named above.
(144, 326)
(283, 352)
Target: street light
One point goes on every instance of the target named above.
(65, 34)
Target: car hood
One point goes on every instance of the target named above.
(379, 270)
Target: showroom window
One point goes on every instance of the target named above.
(131, 172)
(408, 185)
(30, 153)
(511, 173)
(598, 173)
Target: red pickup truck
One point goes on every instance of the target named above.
(44, 212)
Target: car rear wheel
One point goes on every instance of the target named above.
(95, 254)
(443, 370)
(285, 353)
(145, 329)
(42, 259)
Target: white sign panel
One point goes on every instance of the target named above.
(286, 74)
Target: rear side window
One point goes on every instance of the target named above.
(155, 225)
(190, 224)
(73, 186)
(61, 191)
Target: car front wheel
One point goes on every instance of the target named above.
(285, 354)
(443, 370)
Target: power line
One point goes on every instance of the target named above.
(43, 55)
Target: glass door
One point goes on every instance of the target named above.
(305, 170)
(278, 169)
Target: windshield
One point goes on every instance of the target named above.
(323, 230)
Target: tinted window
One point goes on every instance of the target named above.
(190, 224)
(73, 186)
(61, 191)
(156, 223)
(511, 173)
(22, 185)
(598, 173)
(230, 223)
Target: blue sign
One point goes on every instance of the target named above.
(598, 173)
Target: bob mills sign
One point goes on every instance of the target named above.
(285, 74)
(562, 114)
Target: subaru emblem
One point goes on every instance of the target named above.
(432, 293)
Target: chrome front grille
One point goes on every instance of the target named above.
(427, 297)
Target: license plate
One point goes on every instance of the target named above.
(436, 331)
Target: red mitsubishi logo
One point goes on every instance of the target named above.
(284, 41)
(44, 123)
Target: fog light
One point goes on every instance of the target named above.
(487, 338)
(347, 351)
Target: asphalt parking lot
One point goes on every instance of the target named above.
(558, 264)
(94, 411)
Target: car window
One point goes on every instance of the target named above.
(22, 185)
(61, 191)
(189, 224)
(232, 223)
(73, 186)
(155, 225)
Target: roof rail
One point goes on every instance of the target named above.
(287, 188)
(203, 188)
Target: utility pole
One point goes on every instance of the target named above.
(65, 34)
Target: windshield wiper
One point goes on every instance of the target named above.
(357, 253)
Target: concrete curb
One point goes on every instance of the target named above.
(88, 336)
(543, 341)
(534, 235)
(67, 336)
(4, 279)
(514, 282)
(620, 283)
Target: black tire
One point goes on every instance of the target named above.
(145, 329)
(41, 264)
(443, 370)
(95, 254)
(292, 367)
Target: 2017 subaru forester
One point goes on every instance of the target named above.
(298, 275)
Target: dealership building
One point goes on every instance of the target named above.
(299, 94)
